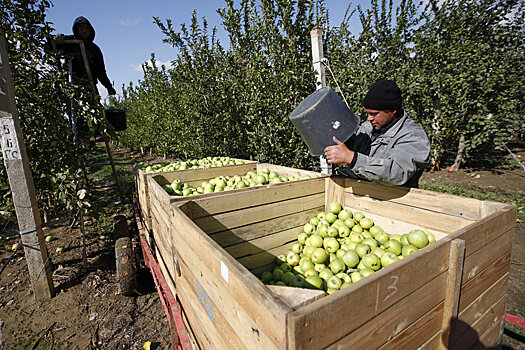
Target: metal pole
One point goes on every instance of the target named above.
(21, 183)
(320, 80)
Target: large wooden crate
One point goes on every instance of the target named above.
(159, 201)
(450, 294)
(142, 186)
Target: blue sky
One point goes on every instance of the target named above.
(127, 35)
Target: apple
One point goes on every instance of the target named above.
(331, 245)
(314, 221)
(309, 228)
(280, 283)
(335, 208)
(393, 246)
(374, 230)
(344, 214)
(344, 231)
(266, 277)
(321, 215)
(408, 249)
(344, 277)
(326, 273)
(337, 266)
(404, 240)
(332, 257)
(314, 282)
(277, 274)
(293, 258)
(334, 283)
(302, 238)
(331, 217)
(311, 272)
(367, 234)
(366, 223)
(418, 238)
(372, 261)
(378, 251)
(349, 245)
(286, 267)
(346, 284)
(16, 246)
(307, 251)
(316, 241)
(340, 253)
(322, 230)
(388, 258)
(351, 259)
(319, 267)
(361, 266)
(49, 238)
(280, 259)
(297, 248)
(362, 249)
(349, 222)
(60, 249)
(307, 265)
(288, 277)
(430, 236)
(396, 237)
(356, 276)
(298, 281)
(358, 216)
(319, 256)
(371, 242)
(366, 272)
(273, 174)
(333, 231)
(357, 229)
(382, 237)
(356, 237)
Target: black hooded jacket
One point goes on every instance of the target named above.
(94, 56)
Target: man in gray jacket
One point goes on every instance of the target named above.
(389, 146)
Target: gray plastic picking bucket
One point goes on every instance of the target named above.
(320, 117)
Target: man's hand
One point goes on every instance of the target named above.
(338, 154)
(111, 91)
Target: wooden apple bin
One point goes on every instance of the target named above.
(450, 294)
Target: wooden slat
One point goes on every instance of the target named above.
(249, 198)
(264, 258)
(477, 285)
(391, 322)
(433, 343)
(264, 243)
(451, 304)
(485, 323)
(263, 228)
(229, 220)
(418, 332)
(489, 297)
(296, 297)
(373, 294)
(439, 202)
(334, 192)
(167, 276)
(286, 171)
(190, 330)
(256, 308)
(421, 217)
(491, 338)
(479, 260)
(164, 253)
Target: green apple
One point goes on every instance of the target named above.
(366, 223)
(319, 267)
(344, 214)
(331, 245)
(344, 277)
(277, 274)
(382, 237)
(346, 284)
(308, 251)
(266, 277)
(349, 222)
(314, 221)
(331, 217)
(393, 246)
(333, 231)
(351, 259)
(337, 266)
(358, 216)
(286, 267)
(388, 258)
(332, 257)
(372, 261)
(335, 208)
(404, 240)
(293, 258)
(311, 272)
(366, 272)
(49, 238)
(350, 245)
(322, 230)
(430, 236)
(334, 283)
(344, 231)
(367, 234)
(316, 241)
(356, 237)
(357, 228)
(297, 281)
(374, 230)
(302, 238)
(60, 249)
(326, 273)
(309, 228)
(288, 277)
(371, 242)
(307, 265)
(356, 276)
(280, 259)
(280, 283)
(319, 256)
(314, 282)
(297, 248)
(330, 291)
(340, 253)
(362, 249)
(321, 215)
(408, 249)
(361, 266)
(418, 238)
(396, 237)
(273, 174)
(378, 251)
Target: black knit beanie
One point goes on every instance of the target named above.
(384, 95)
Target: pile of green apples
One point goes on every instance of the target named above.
(339, 248)
(207, 162)
(226, 183)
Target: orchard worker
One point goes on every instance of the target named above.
(389, 146)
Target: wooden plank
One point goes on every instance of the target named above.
(373, 294)
(249, 198)
(296, 297)
(205, 174)
(491, 339)
(239, 286)
(433, 343)
(482, 303)
(434, 201)
(451, 304)
(264, 258)
(477, 285)
(485, 323)
(286, 171)
(479, 260)
(211, 307)
(418, 332)
(264, 243)
(164, 254)
(170, 281)
(334, 192)
(190, 330)
(229, 220)
(391, 322)
(263, 228)
(421, 217)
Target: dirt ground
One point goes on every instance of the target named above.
(88, 313)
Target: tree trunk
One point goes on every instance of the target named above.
(459, 156)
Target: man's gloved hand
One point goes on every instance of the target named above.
(111, 90)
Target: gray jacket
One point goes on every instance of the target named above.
(398, 156)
